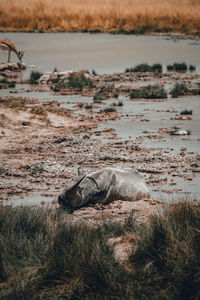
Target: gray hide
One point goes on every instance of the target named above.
(104, 186)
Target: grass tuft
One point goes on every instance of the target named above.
(6, 84)
(177, 67)
(76, 81)
(166, 263)
(35, 75)
(146, 68)
(179, 89)
(186, 112)
(149, 92)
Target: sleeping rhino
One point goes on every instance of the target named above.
(103, 186)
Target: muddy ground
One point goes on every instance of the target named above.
(43, 143)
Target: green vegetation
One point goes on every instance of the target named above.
(166, 261)
(186, 112)
(94, 72)
(6, 84)
(179, 89)
(149, 92)
(44, 256)
(181, 67)
(35, 75)
(177, 67)
(192, 68)
(146, 68)
(88, 106)
(77, 81)
(109, 109)
(120, 103)
(100, 96)
(196, 91)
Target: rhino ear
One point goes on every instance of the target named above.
(80, 171)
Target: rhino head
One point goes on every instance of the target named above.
(81, 191)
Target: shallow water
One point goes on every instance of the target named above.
(105, 53)
(159, 115)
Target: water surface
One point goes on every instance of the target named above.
(105, 53)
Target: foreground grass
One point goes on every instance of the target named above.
(131, 16)
(43, 256)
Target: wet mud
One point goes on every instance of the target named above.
(47, 133)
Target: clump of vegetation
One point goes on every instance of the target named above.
(177, 67)
(146, 68)
(94, 72)
(120, 103)
(109, 109)
(6, 84)
(179, 89)
(100, 96)
(196, 91)
(35, 75)
(13, 102)
(192, 68)
(186, 112)
(76, 81)
(44, 255)
(88, 106)
(149, 92)
(166, 261)
(116, 95)
(38, 110)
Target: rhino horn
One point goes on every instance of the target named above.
(72, 189)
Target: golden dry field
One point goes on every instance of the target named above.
(136, 16)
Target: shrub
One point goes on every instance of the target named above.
(186, 112)
(94, 72)
(177, 67)
(192, 68)
(34, 77)
(5, 84)
(75, 81)
(149, 92)
(120, 103)
(100, 96)
(179, 89)
(145, 68)
(109, 109)
(79, 81)
(196, 91)
(88, 106)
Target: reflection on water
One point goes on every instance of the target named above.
(104, 53)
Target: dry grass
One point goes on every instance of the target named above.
(105, 15)
(44, 256)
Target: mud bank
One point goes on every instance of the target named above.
(44, 141)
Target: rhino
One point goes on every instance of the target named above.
(102, 187)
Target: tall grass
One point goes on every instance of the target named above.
(106, 15)
(44, 256)
(167, 261)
